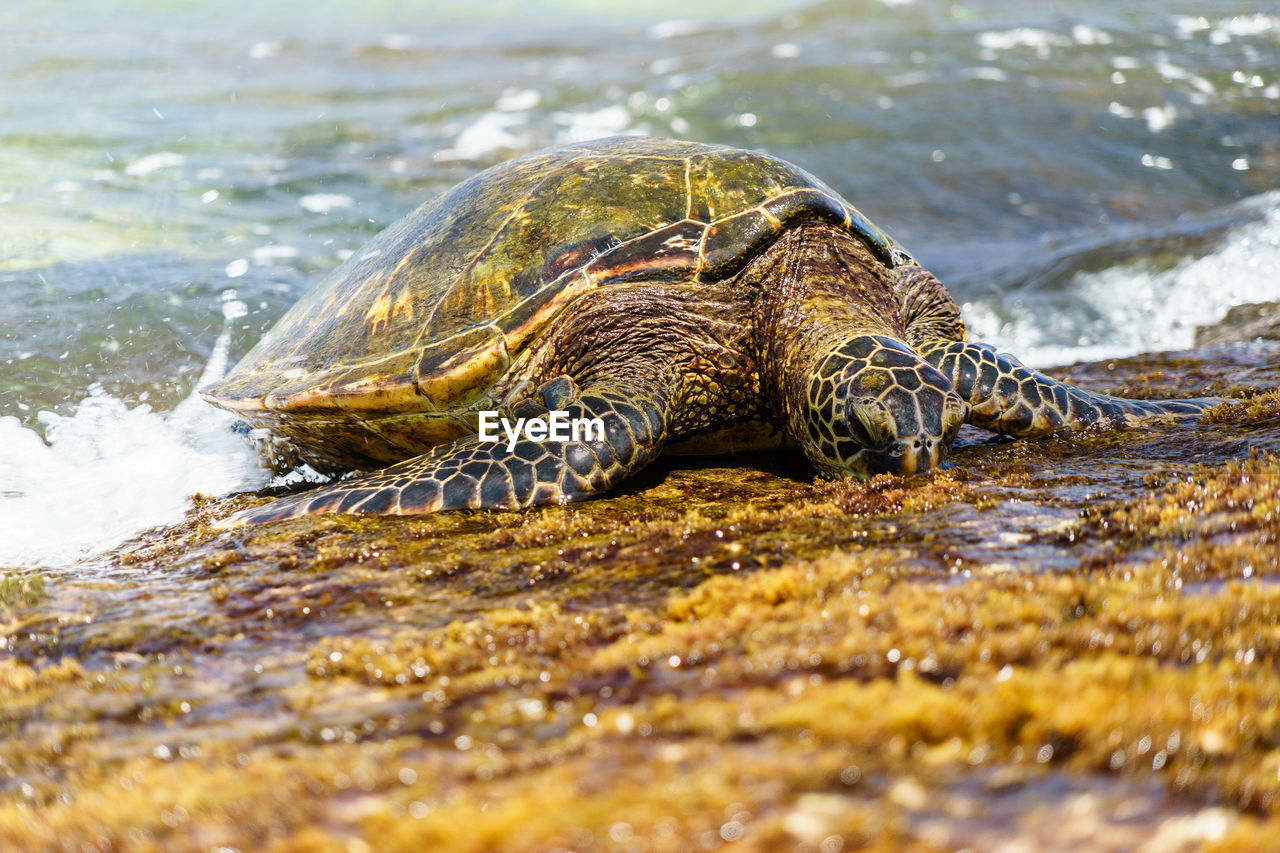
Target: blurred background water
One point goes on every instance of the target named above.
(1089, 178)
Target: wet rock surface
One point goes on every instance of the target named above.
(1258, 321)
(1068, 642)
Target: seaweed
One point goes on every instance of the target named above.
(1072, 639)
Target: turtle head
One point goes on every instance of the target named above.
(876, 407)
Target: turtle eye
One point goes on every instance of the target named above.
(865, 422)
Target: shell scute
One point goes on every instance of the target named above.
(457, 370)
(806, 203)
(732, 240)
(665, 252)
(725, 182)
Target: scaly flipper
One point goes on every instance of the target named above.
(1007, 397)
(474, 473)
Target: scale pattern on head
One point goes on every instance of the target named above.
(430, 313)
(874, 406)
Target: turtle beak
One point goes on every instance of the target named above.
(916, 455)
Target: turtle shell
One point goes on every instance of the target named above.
(429, 315)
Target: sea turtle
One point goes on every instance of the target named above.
(682, 294)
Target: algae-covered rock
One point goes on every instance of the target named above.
(1070, 643)
(1255, 321)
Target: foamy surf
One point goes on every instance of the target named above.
(1128, 308)
(108, 471)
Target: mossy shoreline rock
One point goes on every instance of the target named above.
(1070, 642)
(1256, 321)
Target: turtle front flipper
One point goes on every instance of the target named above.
(613, 430)
(1007, 397)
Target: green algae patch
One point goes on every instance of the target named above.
(1240, 497)
(1256, 409)
(20, 588)
(1068, 642)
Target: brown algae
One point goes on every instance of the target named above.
(1071, 642)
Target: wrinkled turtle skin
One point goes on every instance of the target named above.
(685, 295)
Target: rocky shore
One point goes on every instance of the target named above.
(1069, 643)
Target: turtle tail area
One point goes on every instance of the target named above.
(1007, 397)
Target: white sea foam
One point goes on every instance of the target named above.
(154, 163)
(593, 124)
(675, 28)
(1041, 41)
(1129, 309)
(518, 100)
(109, 471)
(324, 202)
(491, 132)
(510, 127)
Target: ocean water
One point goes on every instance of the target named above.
(1090, 179)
